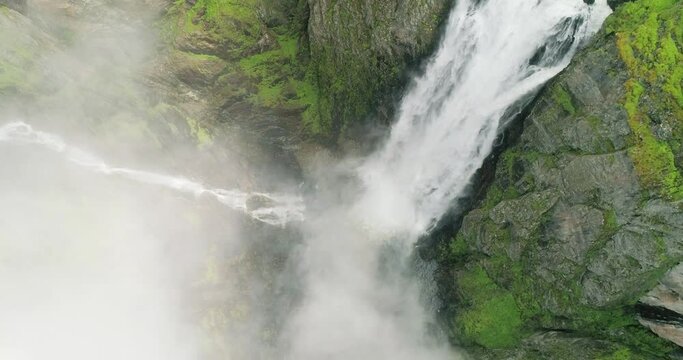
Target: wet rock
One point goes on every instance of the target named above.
(669, 292)
(662, 307)
(196, 71)
(618, 270)
(576, 229)
(266, 43)
(615, 3)
(523, 214)
(554, 345)
(360, 50)
(611, 223)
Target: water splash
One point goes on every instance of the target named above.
(494, 57)
(273, 209)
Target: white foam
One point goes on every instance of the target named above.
(273, 209)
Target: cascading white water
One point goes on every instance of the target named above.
(495, 54)
(273, 209)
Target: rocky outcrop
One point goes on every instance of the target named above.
(360, 51)
(278, 73)
(238, 68)
(293, 71)
(661, 309)
(557, 345)
(585, 212)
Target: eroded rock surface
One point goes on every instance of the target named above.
(585, 213)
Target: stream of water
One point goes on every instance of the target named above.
(273, 209)
(353, 297)
(494, 56)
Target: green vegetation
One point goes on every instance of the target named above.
(650, 41)
(200, 133)
(499, 314)
(562, 97)
(266, 64)
(518, 272)
(232, 24)
(360, 61)
(333, 70)
(621, 354)
(610, 221)
(458, 246)
(282, 81)
(493, 319)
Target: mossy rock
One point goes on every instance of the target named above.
(605, 138)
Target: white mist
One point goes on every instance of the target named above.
(357, 303)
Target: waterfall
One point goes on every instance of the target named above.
(103, 261)
(494, 56)
(273, 209)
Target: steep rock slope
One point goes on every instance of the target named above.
(585, 212)
(360, 50)
(295, 70)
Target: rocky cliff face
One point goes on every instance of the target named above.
(566, 254)
(360, 50)
(661, 308)
(293, 71)
(585, 213)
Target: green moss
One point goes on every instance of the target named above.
(652, 158)
(458, 246)
(493, 319)
(357, 63)
(649, 37)
(278, 78)
(649, 41)
(668, 66)
(638, 337)
(283, 81)
(234, 26)
(594, 122)
(309, 97)
(562, 97)
(494, 323)
(634, 90)
(654, 162)
(200, 133)
(235, 22)
(610, 221)
(494, 195)
(621, 354)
